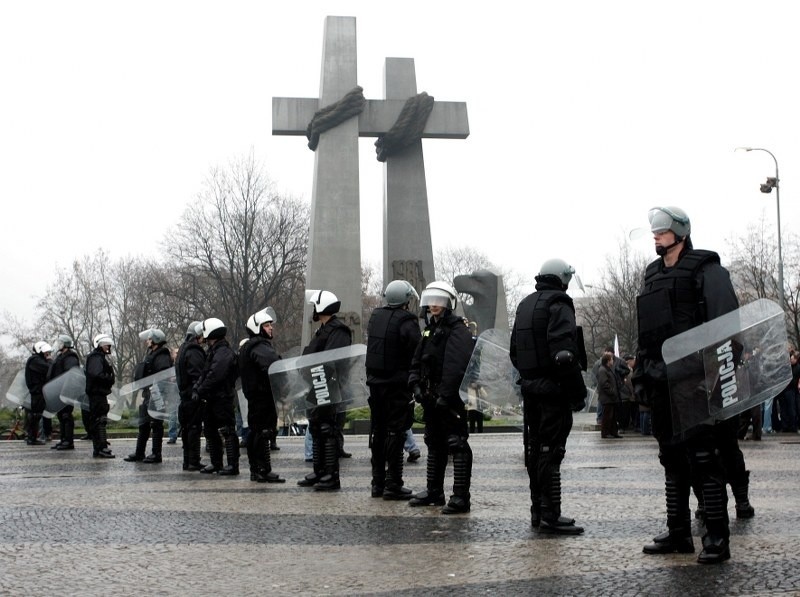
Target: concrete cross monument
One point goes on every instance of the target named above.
(334, 257)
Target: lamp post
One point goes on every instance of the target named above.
(774, 183)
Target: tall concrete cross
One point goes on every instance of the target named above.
(334, 258)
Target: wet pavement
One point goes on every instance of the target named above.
(75, 525)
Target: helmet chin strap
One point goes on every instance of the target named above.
(661, 251)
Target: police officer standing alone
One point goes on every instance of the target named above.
(158, 358)
(549, 354)
(216, 388)
(392, 338)
(438, 366)
(322, 421)
(35, 376)
(683, 288)
(99, 381)
(189, 365)
(65, 360)
(255, 357)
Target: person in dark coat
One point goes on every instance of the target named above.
(66, 359)
(189, 365)
(36, 369)
(608, 396)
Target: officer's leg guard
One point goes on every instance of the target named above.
(462, 475)
(330, 478)
(215, 448)
(264, 474)
(394, 488)
(254, 457)
(740, 489)
(191, 449)
(142, 437)
(32, 428)
(434, 473)
(317, 456)
(157, 429)
(101, 449)
(231, 442)
(549, 478)
(380, 456)
(67, 431)
(678, 537)
(716, 547)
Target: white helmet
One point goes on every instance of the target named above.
(214, 329)
(439, 294)
(64, 341)
(324, 301)
(399, 293)
(558, 268)
(256, 320)
(42, 347)
(195, 329)
(102, 340)
(154, 334)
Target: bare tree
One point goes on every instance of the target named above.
(243, 247)
(610, 310)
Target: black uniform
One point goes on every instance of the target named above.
(189, 365)
(392, 338)
(673, 300)
(35, 377)
(438, 366)
(99, 381)
(64, 361)
(217, 388)
(255, 358)
(322, 420)
(552, 389)
(158, 358)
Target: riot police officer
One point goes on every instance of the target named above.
(683, 288)
(255, 357)
(36, 369)
(189, 365)
(99, 381)
(158, 358)
(548, 351)
(438, 366)
(322, 420)
(66, 359)
(216, 388)
(392, 338)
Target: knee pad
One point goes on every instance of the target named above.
(457, 443)
(326, 430)
(555, 454)
(226, 432)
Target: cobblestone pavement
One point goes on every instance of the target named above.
(70, 525)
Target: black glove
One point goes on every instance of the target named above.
(416, 391)
(195, 397)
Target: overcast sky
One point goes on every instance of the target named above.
(583, 115)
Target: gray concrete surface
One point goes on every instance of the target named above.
(70, 525)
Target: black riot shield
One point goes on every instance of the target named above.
(490, 381)
(331, 378)
(163, 392)
(727, 365)
(17, 392)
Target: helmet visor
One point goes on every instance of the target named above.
(660, 221)
(433, 297)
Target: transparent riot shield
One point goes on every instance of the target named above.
(490, 381)
(335, 378)
(162, 391)
(52, 394)
(727, 365)
(73, 392)
(17, 392)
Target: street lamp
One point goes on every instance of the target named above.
(774, 183)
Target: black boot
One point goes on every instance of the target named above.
(32, 421)
(191, 450)
(157, 428)
(141, 445)
(549, 472)
(678, 539)
(740, 489)
(231, 452)
(434, 473)
(462, 475)
(317, 455)
(330, 480)
(715, 541)
(394, 488)
(264, 474)
(214, 447)
(101, 445)
(67, 433)
(378, 447)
